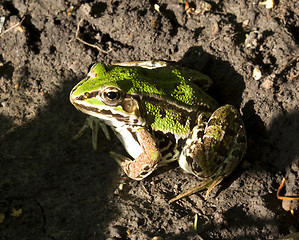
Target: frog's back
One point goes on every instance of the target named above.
(163, 83)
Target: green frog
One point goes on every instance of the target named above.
(161, 113)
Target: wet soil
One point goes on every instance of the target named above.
(54, 188)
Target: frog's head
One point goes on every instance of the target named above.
(103, 94)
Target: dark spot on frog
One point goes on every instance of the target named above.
(146, 168)
(164, 138)
(189, 160)
(162, 112)
(222, 152)
(195, 167)
(237, 153)
(169, 151)
(241, 139)
(181, 142)
(230, 132)
(183, 119)
(199, 134)
(170, 136)
(163, 143)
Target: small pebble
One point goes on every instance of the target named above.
(257, 74)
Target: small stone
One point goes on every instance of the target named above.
(257, 74)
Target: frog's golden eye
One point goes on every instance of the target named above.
(112, 96)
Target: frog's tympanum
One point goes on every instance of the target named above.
(161, 113)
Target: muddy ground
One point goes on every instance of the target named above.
(54, 188)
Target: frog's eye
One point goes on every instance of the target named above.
(111, 96)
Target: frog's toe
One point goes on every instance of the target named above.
(213, 184)
(206, 184)
(94, 124)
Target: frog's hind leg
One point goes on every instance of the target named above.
(217, 150)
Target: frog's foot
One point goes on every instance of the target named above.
(95, 124)
(146, 162)
(208, 184)
(137, 169)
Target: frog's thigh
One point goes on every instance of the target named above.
(193, 145)
(220, 147)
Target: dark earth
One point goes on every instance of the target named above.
(52, 187)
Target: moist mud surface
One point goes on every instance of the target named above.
(52, 187)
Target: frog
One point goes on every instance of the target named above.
(161, 113)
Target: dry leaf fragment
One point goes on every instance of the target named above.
(268, 3)
(16, 213)
(157, 238)
(157, 7)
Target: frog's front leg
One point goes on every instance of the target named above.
(215, 148)
(146, 162)
(94, 124)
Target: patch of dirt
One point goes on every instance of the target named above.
(66, 191)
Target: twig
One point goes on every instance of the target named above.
(110, 6)
(12, 27)
(284, 197)
(287, 64)
(86, 43)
